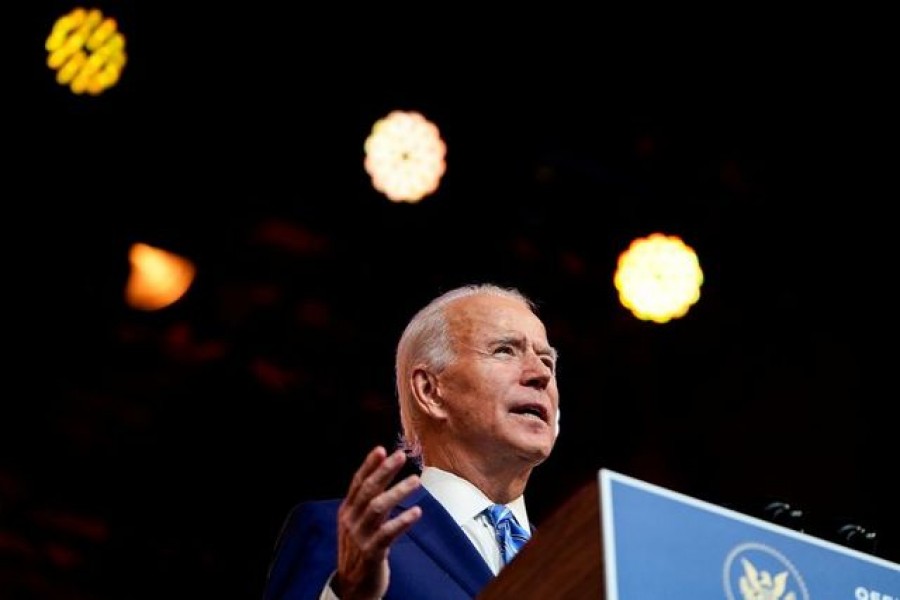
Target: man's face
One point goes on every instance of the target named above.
(500, 393)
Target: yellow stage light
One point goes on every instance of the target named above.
(405, 156)
(86, 51)
(658, 278)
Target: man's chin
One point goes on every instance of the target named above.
(536, 453)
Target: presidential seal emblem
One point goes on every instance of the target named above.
(755, 571)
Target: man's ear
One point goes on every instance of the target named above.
(426, 390)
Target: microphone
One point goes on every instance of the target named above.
(782, 513)
(858, 538)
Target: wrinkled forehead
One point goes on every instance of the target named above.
(475, 320)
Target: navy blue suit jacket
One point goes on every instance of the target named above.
(434, 560)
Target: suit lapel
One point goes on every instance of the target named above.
(445, 542)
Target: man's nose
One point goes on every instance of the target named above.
(537, 373)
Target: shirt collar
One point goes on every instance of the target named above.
(463, 500)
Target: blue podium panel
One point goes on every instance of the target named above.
(659, 544)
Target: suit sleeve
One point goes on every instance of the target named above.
(305, 553)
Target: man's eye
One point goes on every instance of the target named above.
(505, 350)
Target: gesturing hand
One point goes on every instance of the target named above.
(365, 531)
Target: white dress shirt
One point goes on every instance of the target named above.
(466, 504)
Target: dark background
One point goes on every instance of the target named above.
(149, 454)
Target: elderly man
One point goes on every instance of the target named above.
(478, 400)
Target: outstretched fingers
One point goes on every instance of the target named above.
(373, 476)
(366, 529)
(370, 500)
(394, 528)
(375, 516)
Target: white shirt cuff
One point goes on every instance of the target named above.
(327, 592)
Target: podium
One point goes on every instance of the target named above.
(620, 538)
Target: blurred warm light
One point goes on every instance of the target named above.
(658, 278)
(157, 279)
(86, 51)
(405, 156)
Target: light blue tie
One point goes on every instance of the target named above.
(510, 535)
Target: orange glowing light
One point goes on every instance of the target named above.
(157, 279)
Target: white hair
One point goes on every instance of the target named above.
(426, 340)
